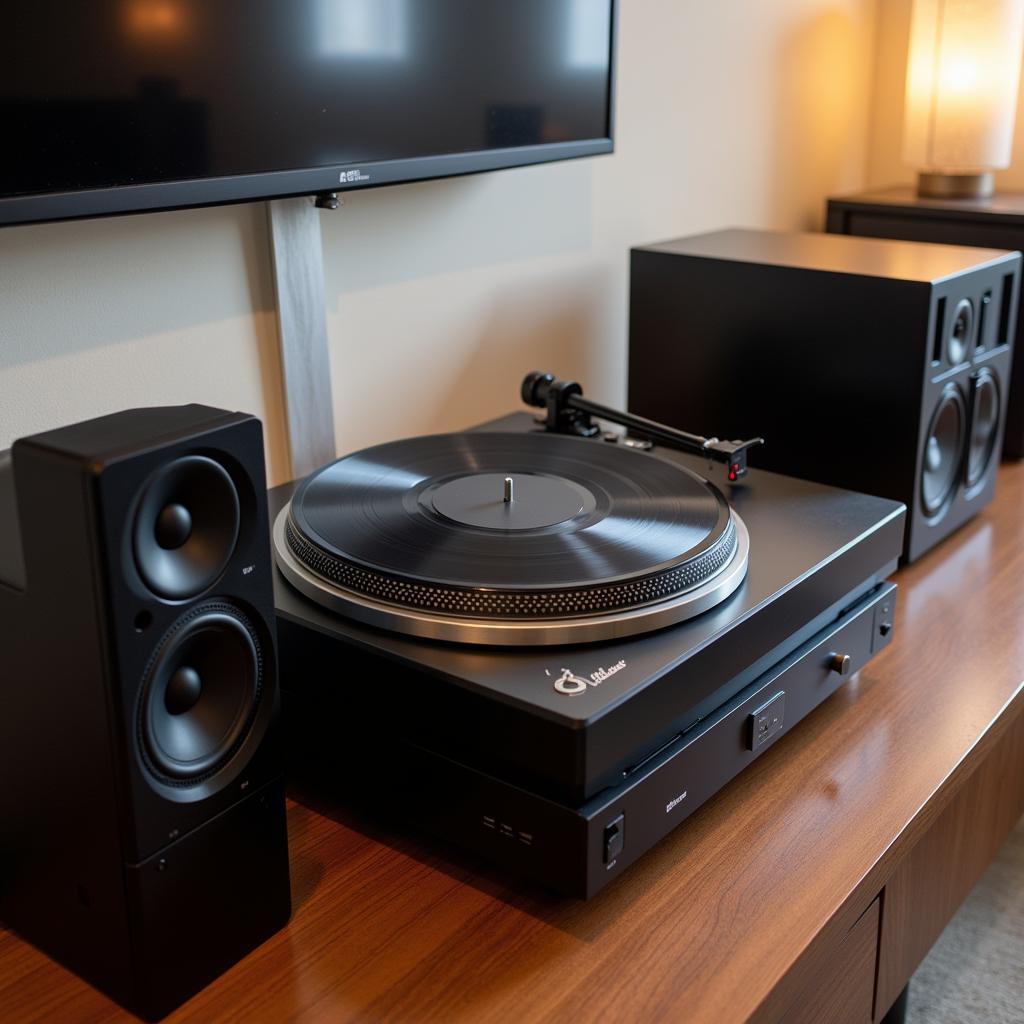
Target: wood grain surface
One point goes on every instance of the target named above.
(844, 993)
(732, 917)
(933, 880)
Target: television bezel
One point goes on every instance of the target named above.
(38, 207)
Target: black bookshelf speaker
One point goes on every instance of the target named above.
(996, 223)
(878, 366)
(142, 823)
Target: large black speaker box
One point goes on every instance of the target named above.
(874, 365)
(142, 822)
(996, 223)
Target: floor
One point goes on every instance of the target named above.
(975, 972)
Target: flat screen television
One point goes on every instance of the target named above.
(117, 106)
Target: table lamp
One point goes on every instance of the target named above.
(962, 75)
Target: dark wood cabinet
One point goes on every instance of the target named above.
(935, 877)
(843, 993)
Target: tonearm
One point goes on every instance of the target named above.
(568, 412)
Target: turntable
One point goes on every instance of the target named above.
(550, 644)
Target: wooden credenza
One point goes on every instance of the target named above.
(807, 890)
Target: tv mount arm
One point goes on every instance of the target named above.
(568, 412)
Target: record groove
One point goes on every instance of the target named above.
(500, 604)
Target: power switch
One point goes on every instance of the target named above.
(613, 836)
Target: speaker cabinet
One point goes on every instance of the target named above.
(142, 824)
(996, 223)
(874, 365)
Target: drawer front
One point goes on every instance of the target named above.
(937, 875)
(844, 992)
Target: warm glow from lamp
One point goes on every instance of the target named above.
(962, 76)
(154, 19)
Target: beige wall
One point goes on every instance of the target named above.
(440, 295)
(885, 166)
(158, 309)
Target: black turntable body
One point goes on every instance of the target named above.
(566, 761)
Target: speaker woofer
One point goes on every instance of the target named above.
(984, 425)
(961, 332)
(186, 527)
(200, 695)
(943, 448)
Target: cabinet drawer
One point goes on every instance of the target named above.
(844, 992)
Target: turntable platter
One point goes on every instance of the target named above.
(511, 538)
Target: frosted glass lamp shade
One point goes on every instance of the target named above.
(962, 75)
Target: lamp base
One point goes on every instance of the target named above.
(932, 185)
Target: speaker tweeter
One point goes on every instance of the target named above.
(961, 332)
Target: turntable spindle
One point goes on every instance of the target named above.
(508, 489)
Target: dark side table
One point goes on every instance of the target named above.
(996, 223)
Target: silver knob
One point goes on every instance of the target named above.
(840, 664)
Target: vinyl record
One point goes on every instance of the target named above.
(508, 528)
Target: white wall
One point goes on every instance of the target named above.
(441, 295)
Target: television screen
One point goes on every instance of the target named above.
(119, 105)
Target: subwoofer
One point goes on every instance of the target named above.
(878, 366)
(142, 825)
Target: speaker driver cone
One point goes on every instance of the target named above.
(984, 425)
(961, 332)
(200, 694)
(942, 451)
(186, 527)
